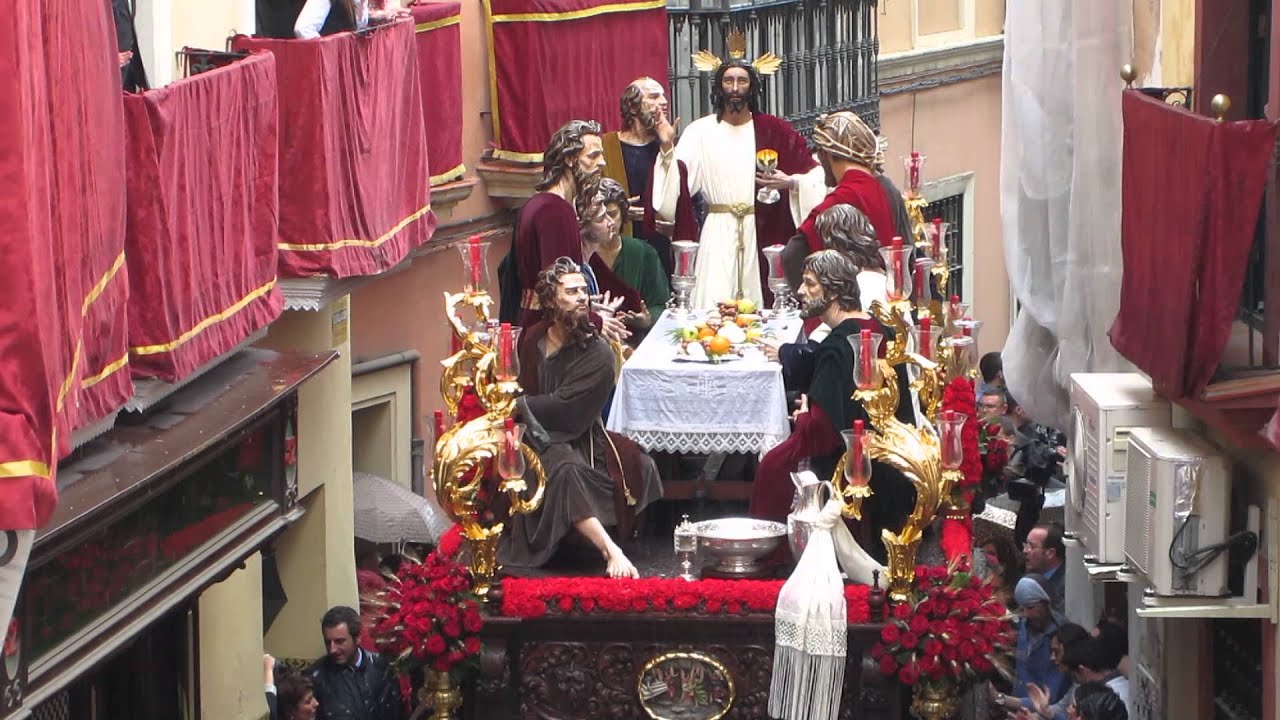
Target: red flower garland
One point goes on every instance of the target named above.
(528, 598)
(956, 629)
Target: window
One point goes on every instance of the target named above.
(951, 199)
(951, 210)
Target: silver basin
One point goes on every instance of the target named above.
(738, 544)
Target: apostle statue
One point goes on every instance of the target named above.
(629, 155)
(719, 153)
(547, 225)
(595, 479)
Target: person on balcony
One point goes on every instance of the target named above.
(719, 153)
(830, 291)
(634, 262)
(595, 479)
(327, 17)
(629, 156)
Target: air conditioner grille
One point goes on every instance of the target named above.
(1138, 508)
(1094, 497)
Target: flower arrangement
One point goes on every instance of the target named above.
(955, 630)
(431, 618)
(537, 597)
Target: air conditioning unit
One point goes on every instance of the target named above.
(1179, 502)
(1105, 408)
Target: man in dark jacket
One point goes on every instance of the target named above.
(350, 683)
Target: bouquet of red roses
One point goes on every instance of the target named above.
(431, 619)
(954, 630)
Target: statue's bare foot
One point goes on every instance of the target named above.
(618, 564)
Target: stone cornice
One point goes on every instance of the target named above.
(932, 67)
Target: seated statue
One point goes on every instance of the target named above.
(595, 479)
(830, 291)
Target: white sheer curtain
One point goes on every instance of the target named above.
(1060, 192)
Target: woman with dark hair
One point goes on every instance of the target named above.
(289, 697)
(1060, 644)
(1004, 566)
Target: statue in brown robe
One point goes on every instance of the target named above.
(595, 479)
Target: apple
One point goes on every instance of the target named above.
(688, 334)
(746, 305)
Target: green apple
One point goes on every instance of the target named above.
(688, 334)
(746, 305)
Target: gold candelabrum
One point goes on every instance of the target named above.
(941, 270)
(914, 451)
(465, 452)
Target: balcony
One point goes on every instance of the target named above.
(1188, 242)
(355, 196)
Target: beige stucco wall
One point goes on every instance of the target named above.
(230, 634)
(1164, 42)
(909, 24)
(316, 555)
(958, 128)
(382, 423)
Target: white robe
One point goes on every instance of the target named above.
(720, 160)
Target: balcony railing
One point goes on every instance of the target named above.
(828, 48)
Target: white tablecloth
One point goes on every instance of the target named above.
(736, 406)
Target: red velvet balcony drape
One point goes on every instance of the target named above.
(439, 41)
(552, 61)
(202, 216)
(1192, 189)
(354, 185)
(63, 354)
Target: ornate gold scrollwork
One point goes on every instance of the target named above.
(464, 453)
(913, 451)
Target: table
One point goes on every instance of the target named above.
(736, 406)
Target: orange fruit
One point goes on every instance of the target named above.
(719, 345)
(705, 333)
(743, 321)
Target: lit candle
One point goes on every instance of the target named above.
(504, 352)
(866, 359)
(855, 452)
(915, 170)
(477, 261)
(926, 336)
(937, 237)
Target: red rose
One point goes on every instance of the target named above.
(587, 604)
(471, 645)
(442, 665)
(890, 634)
(888, 665)
(473, 621)
(639, 605)
(932, 648)
(733, 607)
(918, 624)
(938, 572)
(565, 604)
(910, 640)
(908, 675)
(902, 611)
(434, 645)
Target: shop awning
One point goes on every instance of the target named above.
(153, 513)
